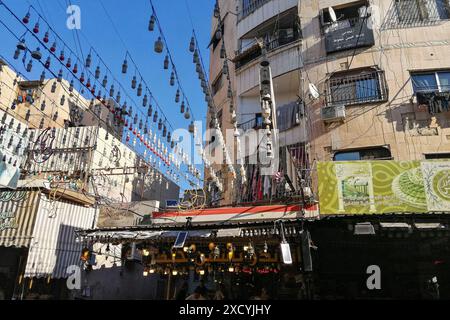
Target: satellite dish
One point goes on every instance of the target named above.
(332, 14)
(313, 91)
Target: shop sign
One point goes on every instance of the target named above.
(7, 220)
(377, 187)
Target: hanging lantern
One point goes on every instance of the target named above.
(118, 97)
(82, 77)
(105, 81)
(230, 93)
(88, 61)
(60, 75)
(61, 55)
(196, 57)
(159, 45)
(166, 63)
(172, 144)
(36, 28)
(155, 116)
(75, 68)
(26, 19)
(27, 115)
(125, 66)
(192, 127)
(177, 96)
(55, 116)
(145, 101)
(36, 54)
(46, 39)
(111, 91)
(139, 90)
(187, 114)
(182, 108)
(63, 100)
(88, 83)
(151, 24)
(160, 124)
(164, 131)
(97, 72)
(169, 137)
(69, 63)
(41, 124)
(225, 68)
(71, 86)
(53, 89)
(172, 79)
(42, 78)
(192, 44)
(133, 83)
(223, 53)
(16, 54)
(150, 111)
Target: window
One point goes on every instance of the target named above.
(217, 84)
(431, 81)
(378, 153)
(357, 87)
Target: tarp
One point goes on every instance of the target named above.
(377, 187)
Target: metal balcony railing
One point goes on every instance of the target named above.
(254, 123)
(366, 86)
(250, 6)
(416, 13)
(251, 51)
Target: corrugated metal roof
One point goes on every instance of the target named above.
(23, 206)
(54, 245)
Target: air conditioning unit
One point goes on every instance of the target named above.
(333, 113)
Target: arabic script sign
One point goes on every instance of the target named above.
(7, 220)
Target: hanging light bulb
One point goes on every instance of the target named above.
(177, 96)
(46, 37)
(166, 63)
(172, 79)
(155, 116)
(105, 81)
(53, 47)
(88, 61)
(139, 90)
(75, 68)
(60, 75)
(69, 63)
(71, 86)
(97, 72)
(160, 124)
(151, 24)
(111, 91)
(159, 45)
(182, 108)
(61, 55)
(133, 83)
(53, 89)
(192, 44)
(187, 115)
(26, 19)
(125, 66)
(36, 28)
(63, 100)
(145, 101)
(43, 105)
(150, 111)
(82, 77)
(88, 83)
(42, 78)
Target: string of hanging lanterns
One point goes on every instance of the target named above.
(200, 69)
(21, 46)
(225, 70)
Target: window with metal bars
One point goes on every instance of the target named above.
(367, 85)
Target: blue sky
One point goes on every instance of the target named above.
(131, 20)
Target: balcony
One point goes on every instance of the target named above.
(437, 102)
(252, 124)
(348, 34)
(250, 6)
(355, 87)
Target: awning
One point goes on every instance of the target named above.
(254, 213)
(17, 217)
(54, 246)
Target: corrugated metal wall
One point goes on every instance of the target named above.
(54, 248)
(23, 204)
